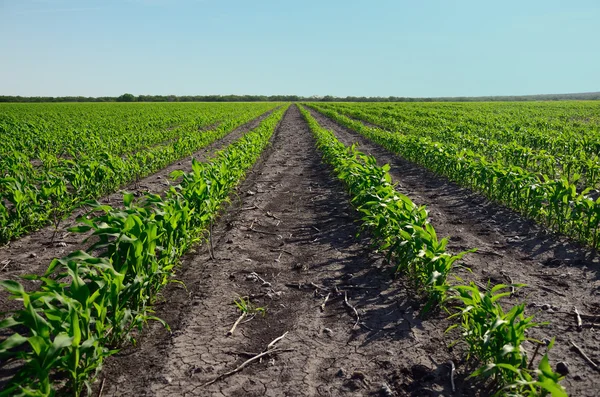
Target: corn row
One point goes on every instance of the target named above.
(555, 203)
(89, 305)
(401, 230)
(579, 165)
(558, 128)
(33, 195)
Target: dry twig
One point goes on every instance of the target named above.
(510, 280)
(591, 317)
(354, 287)
(270, 345)
(101, 387)
(239, 353)
(537, 348)
(452, 370)
(324, 302)
(318, 287)
(240, 318)
(578, 319)
(211, 249)
(585, 356)
(268, 351)
(349, 306)
(548, 289)
(250, 319)
(245, 363)
(259, 278)
(5, 263)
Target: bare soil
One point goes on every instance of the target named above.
(33, 253)
(291, 225)
(560, 274)
(287, 240)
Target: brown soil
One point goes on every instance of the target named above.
(33, 253)
(291, 225)
(559, 274)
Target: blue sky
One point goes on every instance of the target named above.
(360, 48)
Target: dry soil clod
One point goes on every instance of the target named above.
(386, 390)
(270, 214)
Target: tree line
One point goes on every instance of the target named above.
(296, 98)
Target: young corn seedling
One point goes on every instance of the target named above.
(493, 336)
(397, 226)
(65, 325)
(246, 308)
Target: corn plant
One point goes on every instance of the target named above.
(91, 303)
(402, 230)
(65, 323)
(246, 307)
(397, 226)
(494, 338)
(548, 200)
(71, 170)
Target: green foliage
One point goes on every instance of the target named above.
(55, 157)
(548, 180)
(397, 226)
(126, 98)
(89, 305)
(246, 307)
(402, 230)
(494, 338)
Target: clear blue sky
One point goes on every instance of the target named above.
(308, 47)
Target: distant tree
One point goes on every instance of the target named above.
(126, 98)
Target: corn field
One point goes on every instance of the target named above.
(540, 160)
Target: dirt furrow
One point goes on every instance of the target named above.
(33, 253)
(560, 274)
(290, 225)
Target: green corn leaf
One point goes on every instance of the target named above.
(38, 344)
(127, 199)
(11, 342)
(80, 229)
(12, 287)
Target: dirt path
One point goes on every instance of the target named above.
(33, 253)
(292, 225)
(560, 275)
